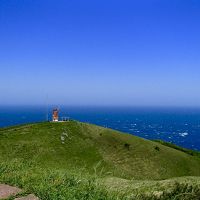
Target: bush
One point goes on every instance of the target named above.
(127, 146)
(157, 148)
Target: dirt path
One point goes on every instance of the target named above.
(7, 191)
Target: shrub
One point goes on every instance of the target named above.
(127, 146)
(157, 148)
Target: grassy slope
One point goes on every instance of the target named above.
(95, 148)
(171, 145)
(34, 153)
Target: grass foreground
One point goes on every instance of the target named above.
(74, 160)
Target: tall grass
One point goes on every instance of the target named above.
(179, 192)
(63, 185)
(52, 185)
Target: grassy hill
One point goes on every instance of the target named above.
(56, 160)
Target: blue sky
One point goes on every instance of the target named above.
(102, 52)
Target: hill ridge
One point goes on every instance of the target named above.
(122, 154)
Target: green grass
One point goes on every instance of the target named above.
(171, 145)
(74, 160)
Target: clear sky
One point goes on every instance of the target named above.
(100, 52)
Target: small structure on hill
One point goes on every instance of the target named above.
(65, 119)
(55, 115)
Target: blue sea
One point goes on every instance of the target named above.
(180, 126)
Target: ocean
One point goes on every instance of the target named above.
(180, 126)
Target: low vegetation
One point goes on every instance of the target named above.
(171, 145)
(73, 160)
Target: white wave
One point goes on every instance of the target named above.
(183, 134)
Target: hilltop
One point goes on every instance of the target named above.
(89, 152)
